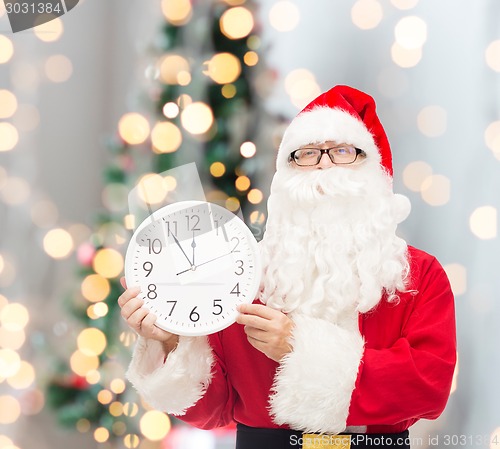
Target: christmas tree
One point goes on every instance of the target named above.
(202, 107)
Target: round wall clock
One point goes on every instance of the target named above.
(195, 262)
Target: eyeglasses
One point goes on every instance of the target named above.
(307, 157)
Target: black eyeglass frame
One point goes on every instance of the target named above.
(323, 151)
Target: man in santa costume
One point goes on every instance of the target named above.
(354, 330)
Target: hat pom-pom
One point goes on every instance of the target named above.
(401, 207)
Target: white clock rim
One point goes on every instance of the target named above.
(172, 208)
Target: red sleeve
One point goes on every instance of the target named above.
(411, 378)
(215, 408)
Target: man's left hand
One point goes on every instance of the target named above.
(268, 330)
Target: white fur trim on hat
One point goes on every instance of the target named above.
(322, 124)
(314, 383)
(177, 384)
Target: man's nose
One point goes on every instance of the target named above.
(324, 162)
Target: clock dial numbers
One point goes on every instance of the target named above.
(236, 290)
(154, 246)
(194, 265)
(194, 316)
(174, 303)
(183, 230)
(210, 249)
(151, 294)
(218, 307)
(183, 223)
(239, 268)
(152, 259)
(172, 228)
(148, 267)
(220, 230)
(187, 314)
(236, 243)
(149, 237)
(192, 222)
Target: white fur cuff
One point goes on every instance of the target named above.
(313, 386)
(177, 384)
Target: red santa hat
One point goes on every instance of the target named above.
(345, 115)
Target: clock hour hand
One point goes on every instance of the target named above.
(193, 245)
(185, 255)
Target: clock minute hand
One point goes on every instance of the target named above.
(179, 245)
(204, 263)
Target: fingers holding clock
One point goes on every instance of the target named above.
(252, 318)
(142, 320)
(268, 330)
(135, 319)
(128, 294)
(149, 330)
(131, 308)
(148, 326)
(131, 305)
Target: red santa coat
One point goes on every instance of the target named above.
(401, 372)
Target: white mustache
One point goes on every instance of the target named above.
(320, 185)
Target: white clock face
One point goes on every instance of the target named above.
(195, 262)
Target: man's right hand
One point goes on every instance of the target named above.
(142, 320)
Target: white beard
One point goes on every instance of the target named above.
(330, 246)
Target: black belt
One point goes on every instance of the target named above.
(256, 438)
